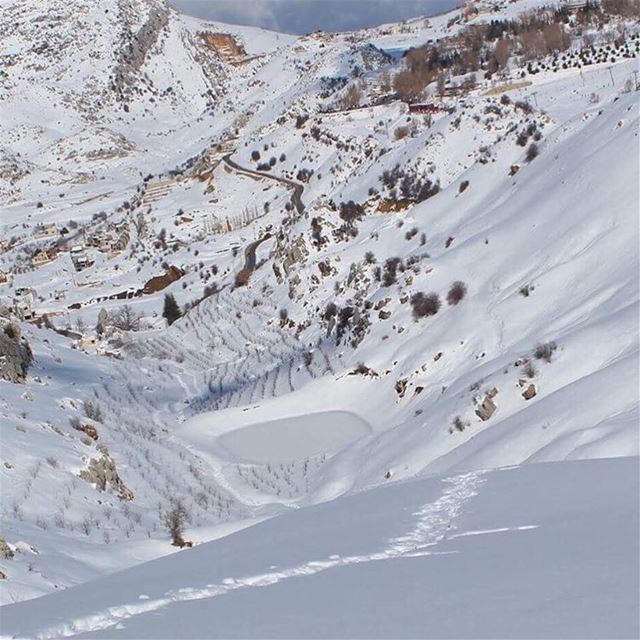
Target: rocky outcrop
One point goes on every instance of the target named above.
(488, 406)
(103, 473)
(136, 47)
(6, 552)
(401, 387)
(224, 45)
(15, 353)
(85, 427)
(295, 254)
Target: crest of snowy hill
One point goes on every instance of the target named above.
(360, 293)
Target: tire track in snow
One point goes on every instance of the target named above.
(433, 521)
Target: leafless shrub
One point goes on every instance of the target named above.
(369, 257)
(174, 520)
(93, 411)
(85, 526)
(457, 291)
(389, 276)
(532, 152)
(544, 351)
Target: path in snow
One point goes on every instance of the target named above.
(298, 189)
(432, 523)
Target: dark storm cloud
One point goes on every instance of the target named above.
(303, 16)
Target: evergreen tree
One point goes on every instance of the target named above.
(171, 309)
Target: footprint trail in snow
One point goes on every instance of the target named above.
(433, 521)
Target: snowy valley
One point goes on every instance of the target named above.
(350, 318)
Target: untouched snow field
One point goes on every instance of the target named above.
(539, 551)
(295, 437)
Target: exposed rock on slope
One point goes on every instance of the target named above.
(15, 353)
(103, 473)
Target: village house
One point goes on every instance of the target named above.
(42, 256)
(79, 257)
(86, 343)
(47, 230)
(120, 244)
(101, 241)
(575, 5)
(23, 304)
(428, 107)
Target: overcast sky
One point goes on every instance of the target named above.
(303, 16)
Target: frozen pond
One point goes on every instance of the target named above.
(294, 437)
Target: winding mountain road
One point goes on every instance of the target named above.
(298, 189)
(250, 253)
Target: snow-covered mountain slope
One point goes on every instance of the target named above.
(146, 153)
(538, 551)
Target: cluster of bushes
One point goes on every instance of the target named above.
(428, 304)
(488, 46)
(389, 275)
(330, 85)
(350, 99)
(531, 131)
(345, 319)
(304, 175)
(408, 186)
(316, 233)
(423, 305)
(351, 212)
(301, 120)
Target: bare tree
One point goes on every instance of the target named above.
(385, 82)
(351, 98)
(555, 39)
(502, 52)
(410, 85)
(126, 319)
(441, 84)
(174, 520)
(93, 411)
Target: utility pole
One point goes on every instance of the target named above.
(535, 97)
(635, 73)
(613, 82)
